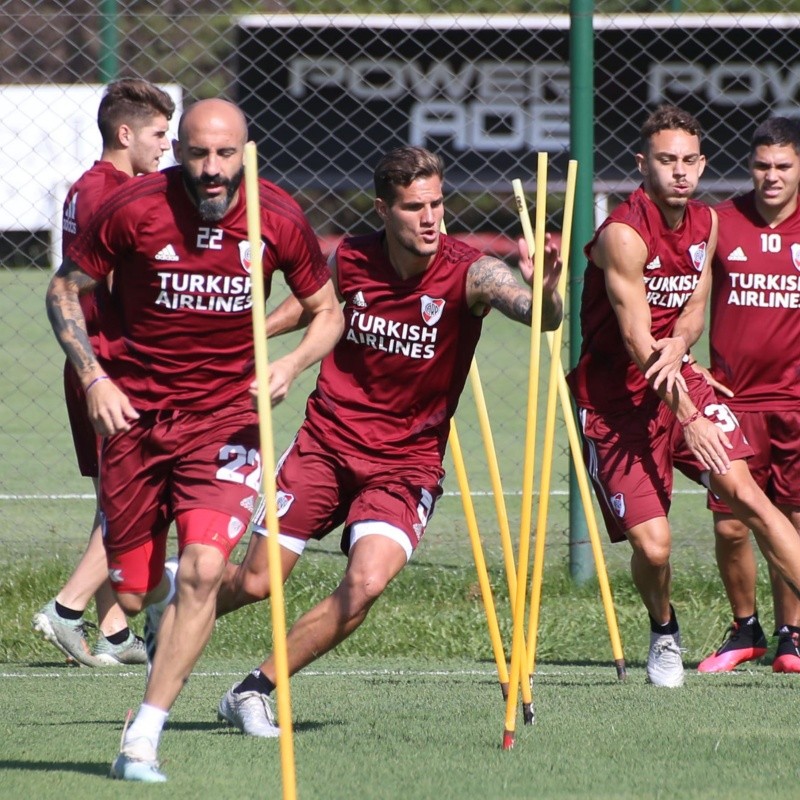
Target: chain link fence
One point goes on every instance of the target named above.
(327, 90)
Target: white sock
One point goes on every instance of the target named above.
(162, 604)
(148, 724)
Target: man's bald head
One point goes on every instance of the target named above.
(214, 112)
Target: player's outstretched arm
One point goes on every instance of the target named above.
(109, 409)
(291, 315)
(288, 316)
(325, 326)
(491, 283)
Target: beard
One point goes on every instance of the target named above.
(212, 209)
(676, 202)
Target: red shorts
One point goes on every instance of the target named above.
(86, 441)
(176, 461)
(319, 490)
(630, 456)
(775, 467)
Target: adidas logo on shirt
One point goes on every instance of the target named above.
(654, 264)
(737, 255)
(69, 223)
(359, 301)
(167, 254)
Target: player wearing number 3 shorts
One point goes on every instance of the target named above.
(642, 407)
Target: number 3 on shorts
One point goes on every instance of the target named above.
(722, 416)
(239, 458)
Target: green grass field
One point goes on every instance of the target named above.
(378, 728)
(409, 706)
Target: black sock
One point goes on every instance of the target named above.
(67, 613)
(744, 622)
(256, 681)
(670, 627)
(120, 637)
(787, 630)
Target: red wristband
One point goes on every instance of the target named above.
(690, 420)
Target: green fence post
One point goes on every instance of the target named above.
(581, 50)
(109, 36)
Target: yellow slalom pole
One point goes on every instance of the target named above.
(554, 342)
(268, 472)
(494, 477)
(475, 539)
(550, 423)
(480, 562)
(591, 525)
(518, 637)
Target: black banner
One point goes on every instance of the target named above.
(327, 100)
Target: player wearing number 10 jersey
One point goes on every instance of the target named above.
(755, 351)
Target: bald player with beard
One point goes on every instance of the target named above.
(171, 394)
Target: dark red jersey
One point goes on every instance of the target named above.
(755, 308)
(182, 287)
(391, 384)
(606, 378)
(84, 197)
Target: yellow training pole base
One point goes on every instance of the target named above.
(622, 673)
(508, 739)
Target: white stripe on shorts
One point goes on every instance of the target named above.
(291, 543)
(374, 528)
(357, 531)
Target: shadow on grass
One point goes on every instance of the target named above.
(63, 664)
(602, 672)
(79, 669)
(82, 767)
(297, 727)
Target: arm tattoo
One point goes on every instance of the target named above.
(66, 316)
(489, 281)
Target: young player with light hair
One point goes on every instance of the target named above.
(133, 118)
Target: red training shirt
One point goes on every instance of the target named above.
(84, 197)
(391, 384)
(605, 378)
(755, 308)
(182, 287)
